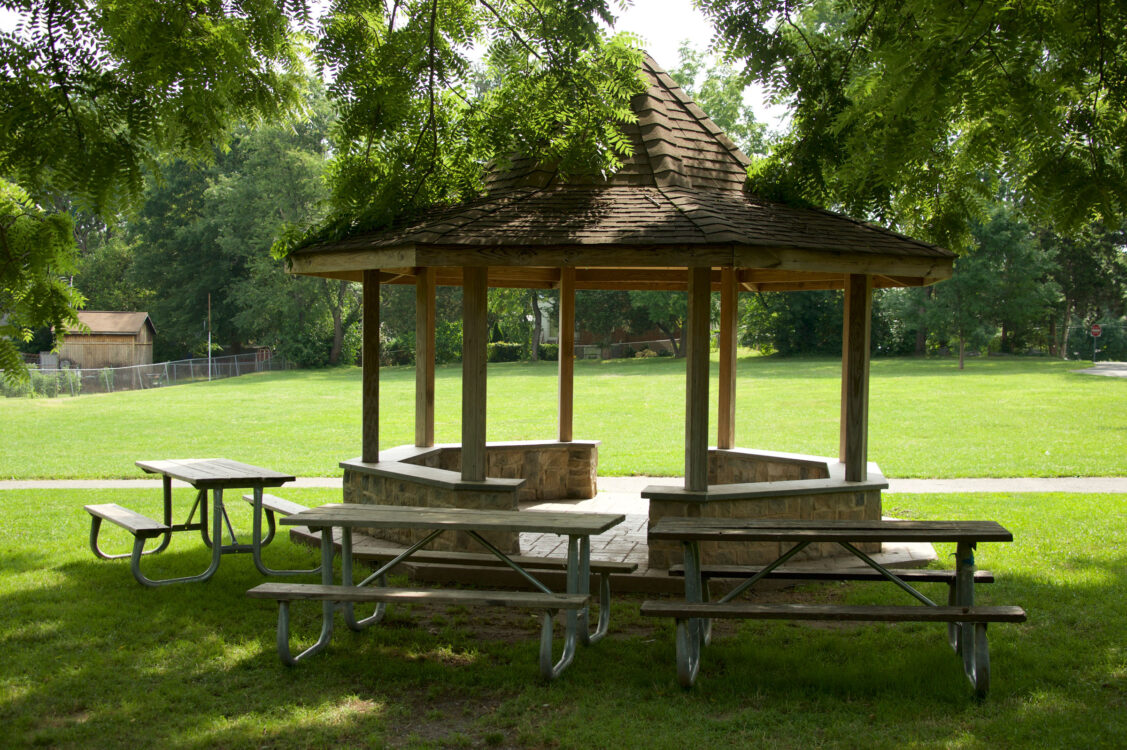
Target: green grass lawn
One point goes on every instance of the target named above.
(999, 417)
(91, 659)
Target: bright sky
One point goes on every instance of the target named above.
(664, 24)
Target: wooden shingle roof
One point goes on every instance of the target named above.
(679, 200)
(111, 323)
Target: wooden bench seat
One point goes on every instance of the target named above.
(485, 559)
(851, 613)
(467, 597)
(275, 504)
(133, 522)
(344, 597)
(911, 575)
(141, 527)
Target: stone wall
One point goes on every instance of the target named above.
(863, 505)
(551, 470)
(737, 466)
(373, 489)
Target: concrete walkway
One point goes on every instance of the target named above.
(1108, 369)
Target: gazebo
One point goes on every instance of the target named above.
(677, 216)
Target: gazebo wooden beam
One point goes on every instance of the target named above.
(424, 357)
(729, 308)
(853, 449)
(474, 339)
(696, 381)
(370, 388)
(566, 355)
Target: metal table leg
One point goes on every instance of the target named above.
(346, 579)
(257, 543)
(692, 633)
(576, 563)
(216, 551)
(327, 610)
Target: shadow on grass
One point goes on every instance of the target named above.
(95, 659)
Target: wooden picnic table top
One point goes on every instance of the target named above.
(463, 519)
(216, 473)
(791, 530)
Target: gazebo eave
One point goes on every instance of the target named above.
(627, 267)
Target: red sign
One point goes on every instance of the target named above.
(1096, 330)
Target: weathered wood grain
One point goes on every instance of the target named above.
(465, 597)
(410, 517)
(856, 613)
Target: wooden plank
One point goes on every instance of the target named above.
(912, 575)
(567, 354)
(750, 530)
(278, 505)
(485, 559)
(844, 613)
(370, 383)
(424, 357)
(134, 523)
(729, 310)
(464, 597)
(410, 517)
(475, 337)
(696, 380)
(215, 473)
(854, 443)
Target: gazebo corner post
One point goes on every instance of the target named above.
(566, 355)
(370, 387)
(696, 379)
(856, 333)
(424, 357)
(726, 398)
(474, 342)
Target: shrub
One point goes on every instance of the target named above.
(550, 352)
(448, 341)
(644, 353)
(45, 383)
(664, 353)
(504, 351)
(72, 380)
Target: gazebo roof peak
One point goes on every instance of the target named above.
(674, 143)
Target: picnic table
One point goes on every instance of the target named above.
(966, 621)
(208, 476)
(575, 600)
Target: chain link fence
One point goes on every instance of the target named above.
(75, 381)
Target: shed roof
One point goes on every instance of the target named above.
(679, 200)
(107, 322)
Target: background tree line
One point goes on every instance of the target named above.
(151, 157)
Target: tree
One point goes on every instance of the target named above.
(1090, 268)
(36, 251)
(666, 311)
(93, 94)
(906, 111)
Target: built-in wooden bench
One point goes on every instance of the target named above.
(141, 527)
(345, 596)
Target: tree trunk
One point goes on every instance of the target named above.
(534, 350)
(1052, 336)
(921, 331)
(1064, 333)
(673, 339)
(962, 348)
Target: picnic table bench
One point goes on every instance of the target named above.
(207, 476)
(575, 601)
(966, 622)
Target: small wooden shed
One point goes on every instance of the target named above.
(114, 339)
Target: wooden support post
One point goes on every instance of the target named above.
(424, 358)
(729, 308)
(696, 380)
(370, 387)
(567, 352)
(854, 447)
(474, 340)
